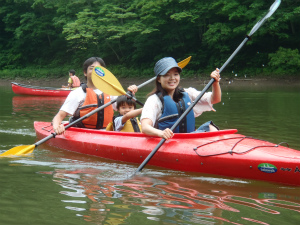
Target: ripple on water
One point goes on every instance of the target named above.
(24, 132)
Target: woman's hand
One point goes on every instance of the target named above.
(147, 128)
(216, 75)
(216, 89)
(166, 134)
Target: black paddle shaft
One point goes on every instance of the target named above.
(75, 122)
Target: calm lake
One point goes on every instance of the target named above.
(54, 186)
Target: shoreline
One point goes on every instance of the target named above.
(44, 82)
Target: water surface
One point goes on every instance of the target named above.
(54, 186)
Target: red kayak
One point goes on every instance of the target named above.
(221, 152)
(23, 89)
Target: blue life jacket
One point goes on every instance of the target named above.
(171, 111)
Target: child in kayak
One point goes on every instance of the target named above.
(73, 81)
(168, 101)
(127, 120)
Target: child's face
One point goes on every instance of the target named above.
(125, 108)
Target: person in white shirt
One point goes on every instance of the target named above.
(77, 97)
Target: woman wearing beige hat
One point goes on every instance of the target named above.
(168, 101)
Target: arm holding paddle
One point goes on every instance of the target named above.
(216, 89)
(58, 127)
(147, 128)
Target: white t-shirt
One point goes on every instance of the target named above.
(153, 105)
(118, 123)
(76, 99)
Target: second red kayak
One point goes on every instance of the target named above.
(23, 89)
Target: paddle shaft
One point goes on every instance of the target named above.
(255, 28)
(87, 115)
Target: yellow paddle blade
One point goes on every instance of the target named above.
(184, 62)
(19, 150)
(105, 81)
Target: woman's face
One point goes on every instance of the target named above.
(170, 81)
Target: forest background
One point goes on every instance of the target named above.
(47, 38)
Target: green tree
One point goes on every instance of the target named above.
(136, 33)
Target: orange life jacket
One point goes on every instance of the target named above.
(76, 81)
(92, 101)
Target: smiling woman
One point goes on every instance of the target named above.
(169, 99)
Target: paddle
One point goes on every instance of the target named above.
(26, 149)
(107, 83)
(272, 9)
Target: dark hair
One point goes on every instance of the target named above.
(121, 100)
(90, 61)
(72, 72)
(158, 88)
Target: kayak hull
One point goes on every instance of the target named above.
(23, 89)
(222, 152)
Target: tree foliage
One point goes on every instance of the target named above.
(136, 33)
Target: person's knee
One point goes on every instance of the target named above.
(212, 128)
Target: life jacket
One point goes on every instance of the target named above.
(172, 110)
(92, 101)
(76, 81)
(131, 125)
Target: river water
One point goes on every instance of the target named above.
(54, 186)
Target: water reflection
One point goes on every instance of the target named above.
(35, 103)
(174, 198)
